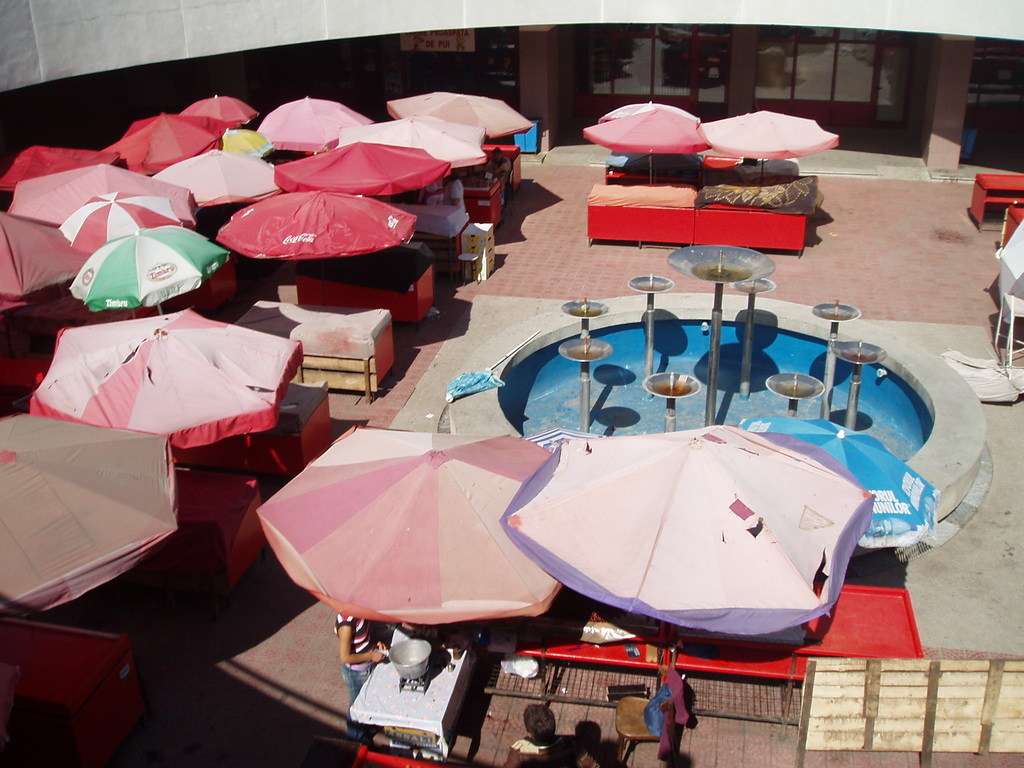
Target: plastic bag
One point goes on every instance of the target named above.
(653, 716)
(523, 666)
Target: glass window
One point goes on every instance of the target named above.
(892, 84)
(774, 70)
(778, 33)
(858, 35)
(807, 33)
(633, 65)
(712, 73)
(672, 67)
(855, 68)
(814, 65)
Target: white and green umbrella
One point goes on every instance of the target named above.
(146, 268)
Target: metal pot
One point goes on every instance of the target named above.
(410, 658)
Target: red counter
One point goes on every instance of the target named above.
(409, 307)
(78, 697)
(484, 205)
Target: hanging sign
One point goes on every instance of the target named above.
(440, 41)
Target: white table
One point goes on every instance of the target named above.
(422, 721)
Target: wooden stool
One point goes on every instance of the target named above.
(631, 727)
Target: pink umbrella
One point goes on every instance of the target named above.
(461, 145)
(181, 375)
(82, 505)
(362, 169)
(113, 215)
(493, 115)
(767, 135)
(648, 106)
(705, 528)
(39, 161)
(309, 125)
(217, 177)
(225, 109)
(651, 132)
(152, 144)
(422, 511)
(315, 225)
(32, 257)
(52, 198)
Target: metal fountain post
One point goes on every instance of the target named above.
(670, 386)
(858, 353)
(583, 350)
(650, 285)
(584, 310)
(719, 264)
(795, 387)
(835, 313)
(751, 288)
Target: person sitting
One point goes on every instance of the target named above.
(455, 191)
(542, 748)
(501, 168)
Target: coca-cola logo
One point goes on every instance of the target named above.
(392, 221)
(303, 237)
(161, 272)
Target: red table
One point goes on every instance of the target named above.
(993, 194)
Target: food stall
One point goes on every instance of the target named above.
(420, 713)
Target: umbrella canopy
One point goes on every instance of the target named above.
(81, 505)
(224, 109)
(767, 135)
(153, 143)
(554, 437)
(51, 199)
(181, 375)
(113, 215)
(32, 257)
(246, 142)
(362, 169)
(422, 511)
(314, 225)
(714, 528)
(905, 503)
(653, 131)
(40, 161)
(309, 125)
(493, 115)
(461, 145)
(648, 106)
(218, 177)
(146, 268)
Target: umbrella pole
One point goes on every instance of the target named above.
(711, 405)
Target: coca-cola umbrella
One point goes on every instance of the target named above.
(33, 258)
(82, 505)
(493, 115)
(713, 528)
(461, 145)
(315, 225)
(153, 143)
(404, 526)
(218, 177)
(146, 268)
(112, 215)
(181, 375)
(362, 169)
(41, 160)
(309, 125)
(225, 109)
(767, 135)
(52, 198)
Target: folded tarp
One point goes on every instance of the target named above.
(642, 196)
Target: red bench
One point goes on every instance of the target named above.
(993, 194)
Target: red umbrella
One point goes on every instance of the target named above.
(152, 144)
(362, 169)
(52, 198)
(651, 132)
(768, 136)
(493, 115)
(315, 225)
(32, 257)
(309, 125)
(113, 215)
(40, 161)
(181, 375)
(226, 109)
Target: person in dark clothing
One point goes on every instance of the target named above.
(542, 748)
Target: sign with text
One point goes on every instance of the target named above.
(440, 41)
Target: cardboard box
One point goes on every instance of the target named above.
(478, 238)
(479, 268)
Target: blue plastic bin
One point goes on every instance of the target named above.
(529, 141)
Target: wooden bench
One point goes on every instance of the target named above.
(993, 194)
